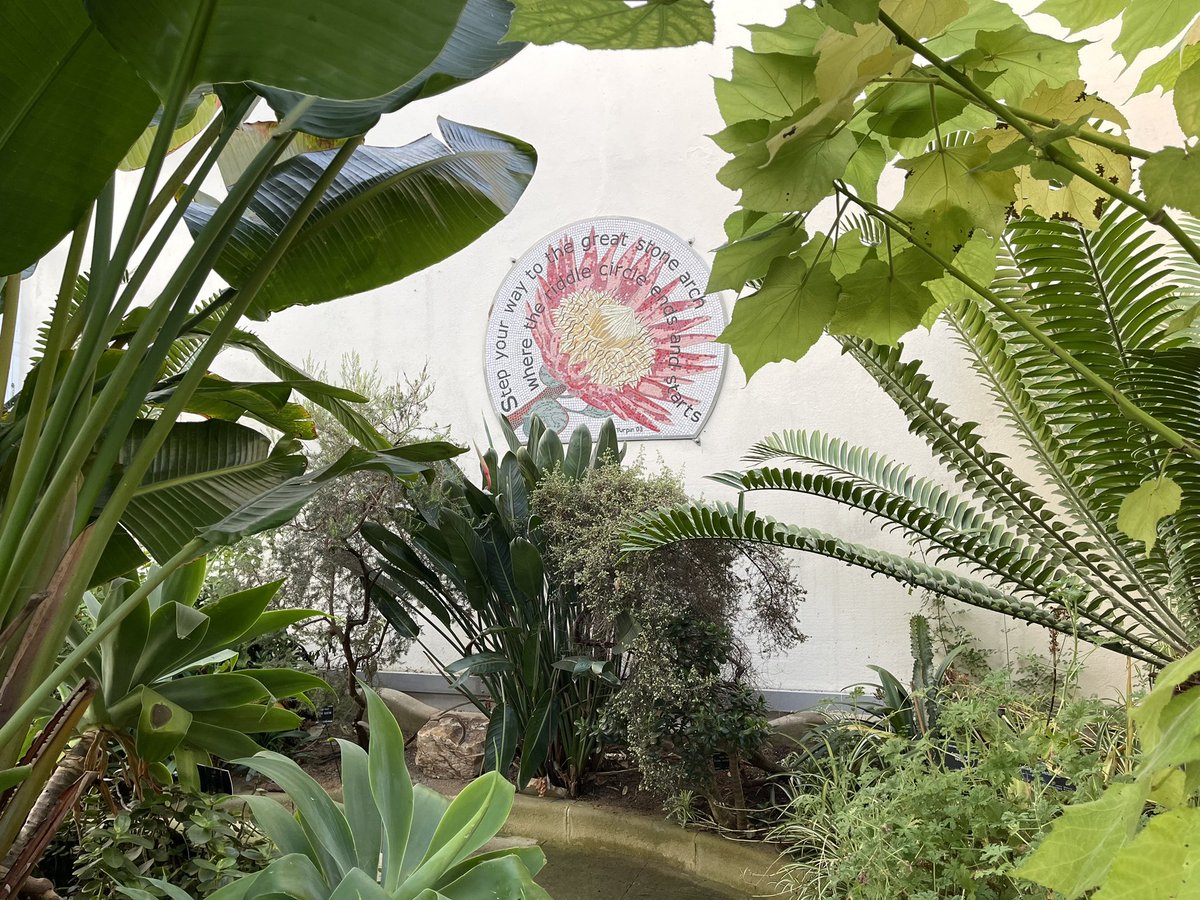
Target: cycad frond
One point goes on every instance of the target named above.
(724, 521)
(1048, 553)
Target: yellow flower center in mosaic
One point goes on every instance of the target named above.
(605, 334)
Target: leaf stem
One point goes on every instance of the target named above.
(1155, 215)
(179, 176)
(8, 327)
(1130, 409)
(14, 728)
(134, 471)
(48, 368)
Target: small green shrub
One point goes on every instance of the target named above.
(686, 694)
(198, 843)
(950, 814)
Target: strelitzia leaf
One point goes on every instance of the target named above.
(365, 47)
(390, 211)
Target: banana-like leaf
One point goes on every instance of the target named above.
(198, 110)
(474, 49)
(202, 472)
(389, 212)
(344, 49)
(268, 402)
(281, 503)
(70, 108)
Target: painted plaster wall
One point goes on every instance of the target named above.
(623, 133)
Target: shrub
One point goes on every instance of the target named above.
(320, 554)
(686, 694)
(198, 842)
(877, 816)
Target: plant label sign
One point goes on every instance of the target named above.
(607, 317)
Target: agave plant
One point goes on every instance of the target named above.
(1056, 553)
(389, 839)
(165, 686)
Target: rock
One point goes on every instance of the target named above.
(410, 712)
(788, 730)
(451, 746)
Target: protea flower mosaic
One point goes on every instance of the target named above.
(623, 328)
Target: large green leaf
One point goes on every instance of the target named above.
(474, 49)
(611, 25)
(203, 471)
(161, 726)
(323, 821)
(69, 110)
(785, 317)
(390, 787)
(361, 811)
(278, 504)
(344, 49)
(389, 212)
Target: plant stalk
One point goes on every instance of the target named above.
(8, 327)
(1155, 215)
(14, 728)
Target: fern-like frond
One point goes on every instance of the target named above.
(725, 521)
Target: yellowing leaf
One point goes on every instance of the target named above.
(1187, 100)
(201, 115)
(847, 62)
(785, 317)
(1142, 510)
(609, 25)
(1071, 102)
(950, 178)
(976, 259)
(1080, 848)
(797, 177)
(765, 86)
(1024, 60)
(1162, 861)
(925, 18)
(883, 303)
(1171, 177)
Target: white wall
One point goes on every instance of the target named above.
(623, 133)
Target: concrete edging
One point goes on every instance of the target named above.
(729, 864)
